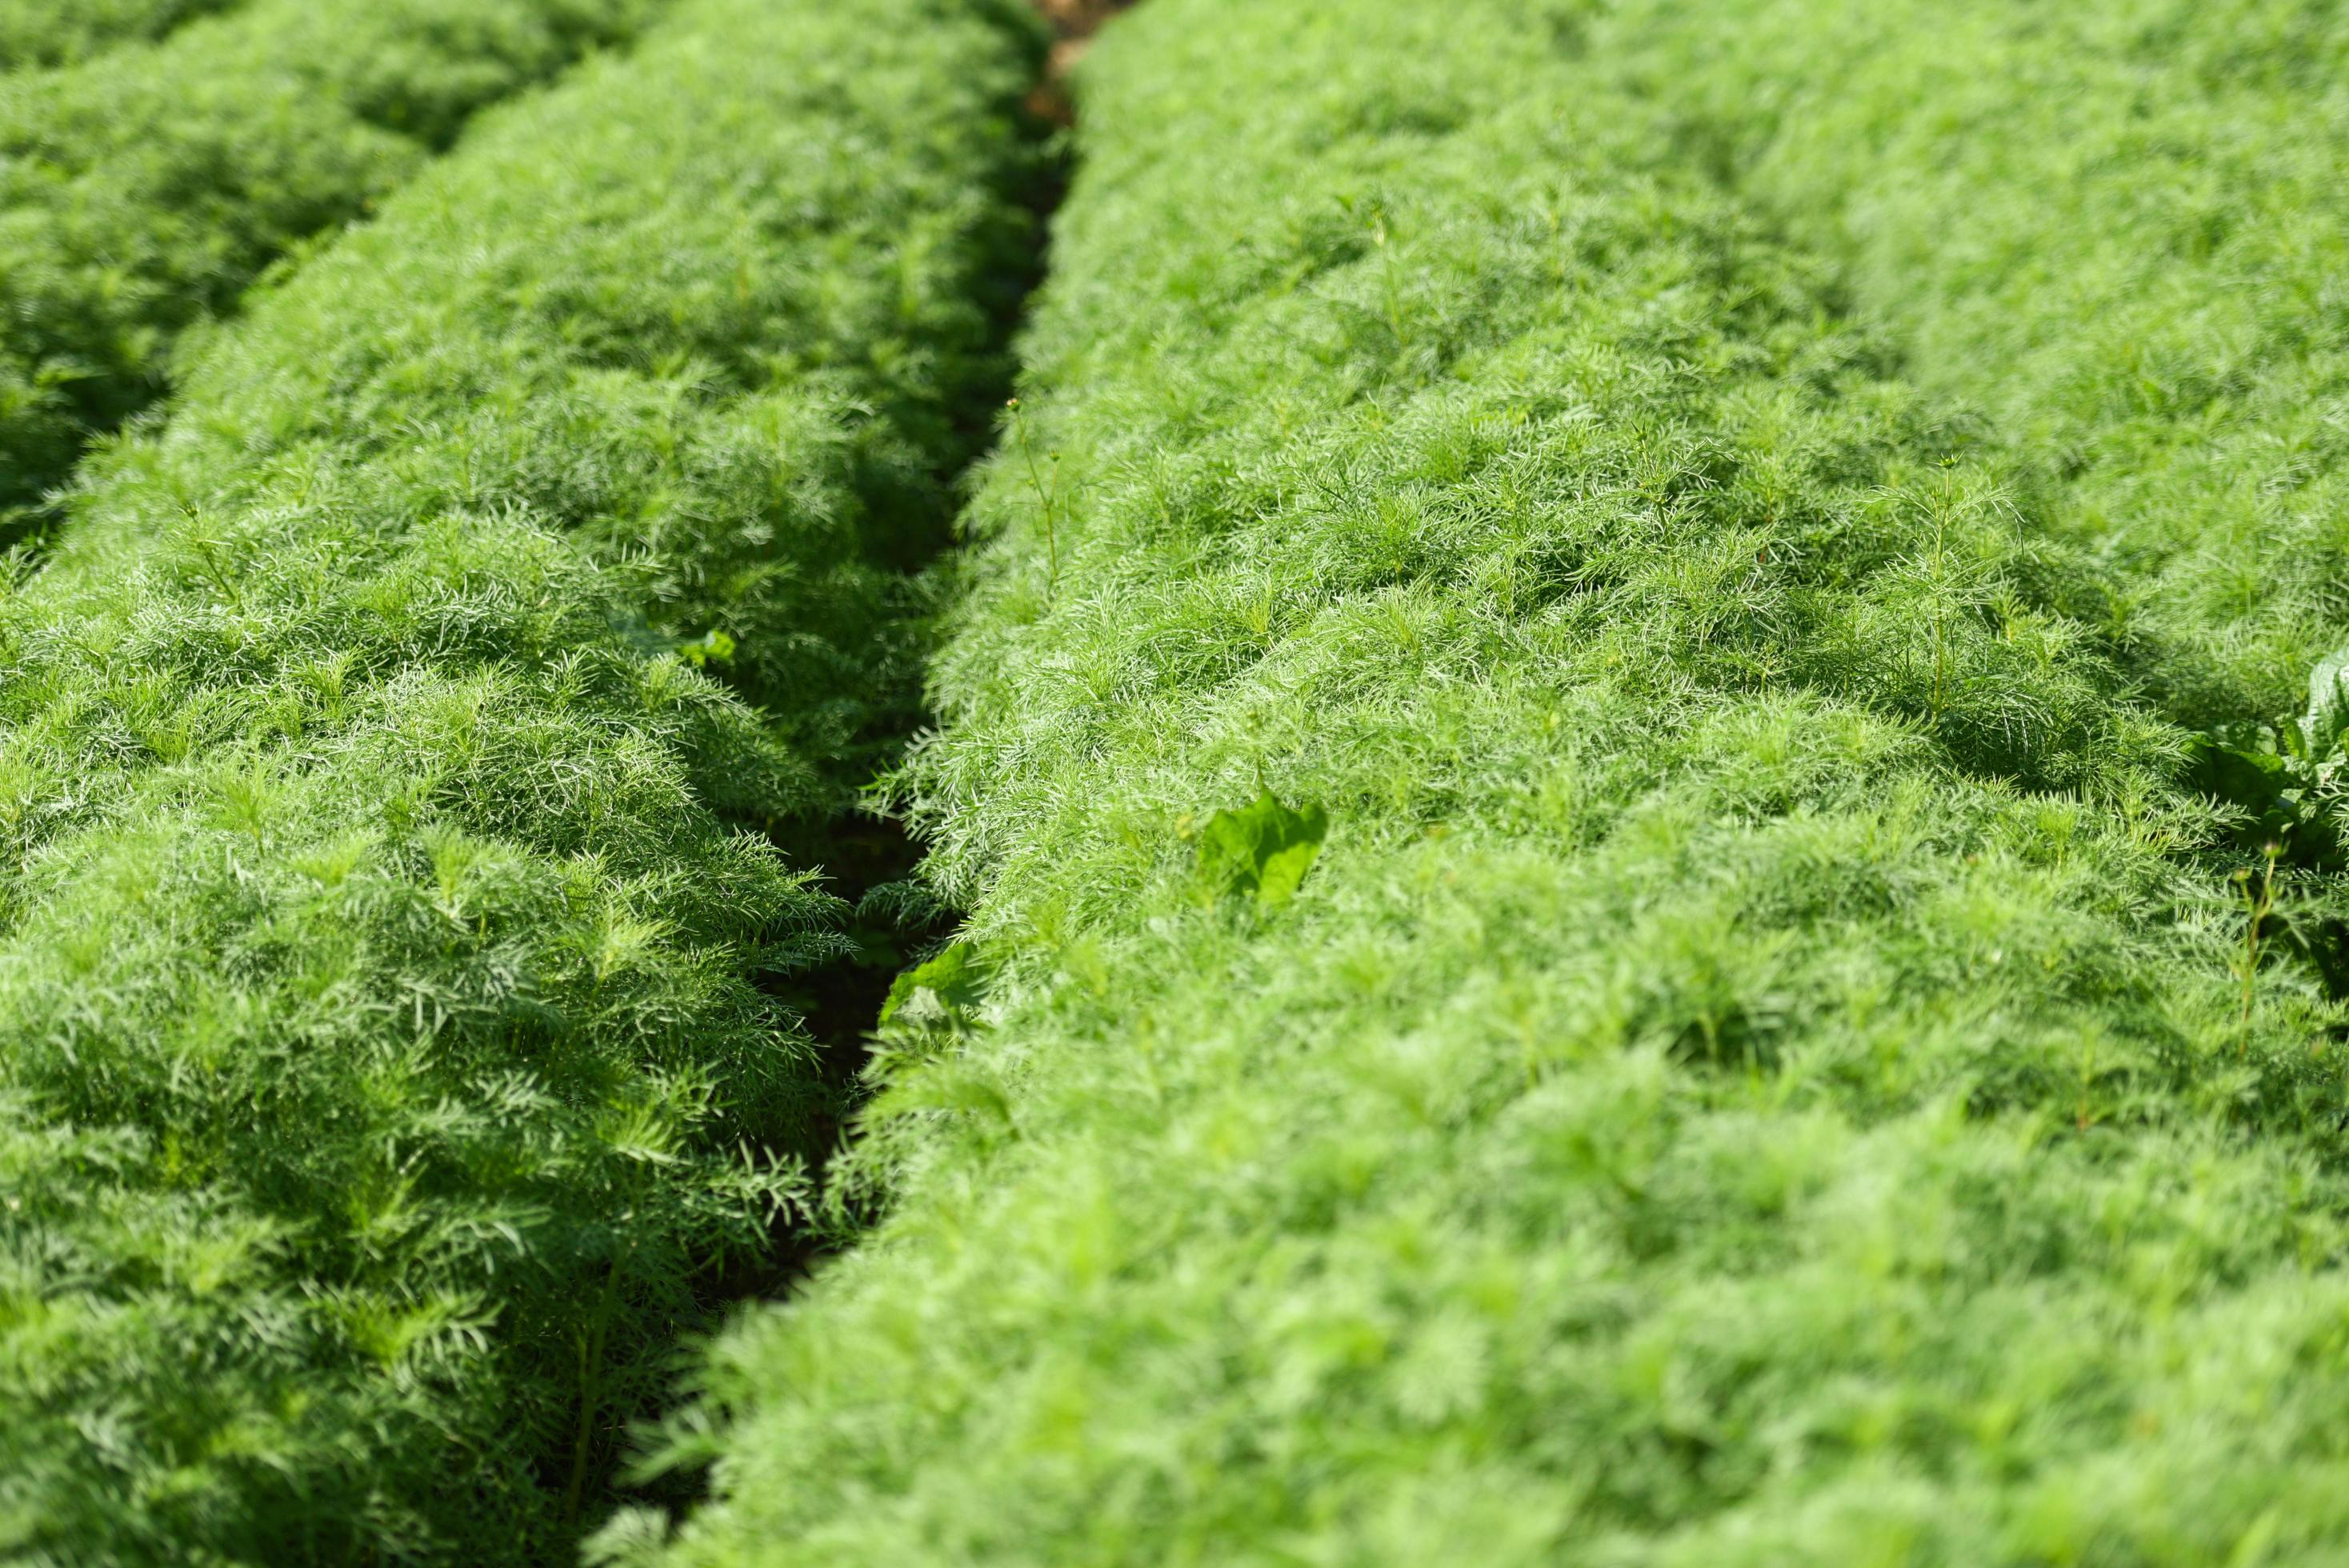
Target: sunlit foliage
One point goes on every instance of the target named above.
(1765, 1067)
(141, 191)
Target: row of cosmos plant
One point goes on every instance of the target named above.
(1624, 718)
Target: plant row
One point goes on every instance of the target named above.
(391, 1063)
(1584, 947)
(143, 189)
(60, 32)
(2137, 280)
(2118, 232)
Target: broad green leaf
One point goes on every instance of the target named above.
(946, 990)
(712, 647)
(2243, 775)
(1263, 850)
(2328, 704)
(2247, 771)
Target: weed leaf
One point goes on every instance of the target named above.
(2328, 704)
(946, 990)
(1264, 849)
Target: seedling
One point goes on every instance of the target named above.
(1046, 484)
(2256, 887)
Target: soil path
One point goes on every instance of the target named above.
(1076, 22)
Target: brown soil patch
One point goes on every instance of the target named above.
(1075, 21)
(1078, 18)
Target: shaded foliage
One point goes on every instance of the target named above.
(63, 32)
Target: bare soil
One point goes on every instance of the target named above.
(1075, 21)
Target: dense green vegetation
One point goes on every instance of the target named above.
(390, 1059)
(1618, 729)
(2116, 229)
(1762, 1062)
(143, 189)
(59, 31)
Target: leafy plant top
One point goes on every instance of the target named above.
(1262, 851)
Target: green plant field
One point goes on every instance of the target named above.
(1763, 1063)
(391, 1068)
(62, 32)
(1630, 759)
(143, 189)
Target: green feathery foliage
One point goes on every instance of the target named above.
(1756, 1070)
(144, 189)
(390, 1062)
(61, 32)
(2118, 228)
